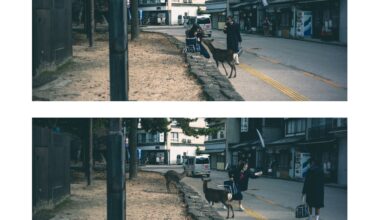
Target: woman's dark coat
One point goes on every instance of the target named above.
(233, 37)
(241, 182)
(313, 187)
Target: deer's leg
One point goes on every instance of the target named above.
(231, 65)
(232, 209)
(235, 71)
(224, 69)
(168, 185)
(217, 63)
(228, 208)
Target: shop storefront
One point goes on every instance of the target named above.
(325, 18)
(246, 15)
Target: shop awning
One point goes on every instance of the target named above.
(309, 1)
(216, 10)
(211, 151)
(248, 144)
(287, 140)
(280, 2)
(319, 141)
(242, 4)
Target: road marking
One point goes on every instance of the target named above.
(327, 81)
(255, 214)
(270, 81)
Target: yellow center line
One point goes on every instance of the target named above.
(270, 81)
(255, 214)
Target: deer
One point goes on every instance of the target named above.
(173, 176)
(221, 55)
(218, 195)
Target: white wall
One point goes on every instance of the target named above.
(180, 10)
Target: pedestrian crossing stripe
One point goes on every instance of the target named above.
(270, 81)
(255, 214)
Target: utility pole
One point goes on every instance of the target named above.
(118, 46)
(116, 192)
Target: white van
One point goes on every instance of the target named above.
(204, 22)
(197, 165)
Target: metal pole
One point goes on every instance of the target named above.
(228, 8)
(91, 22)
(132, 141)
(135, 31)
(116, 191)
(118, 46)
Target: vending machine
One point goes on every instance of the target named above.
(304, 24)
(301, 164)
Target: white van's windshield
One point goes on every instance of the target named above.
(203, 20)
(201, 161)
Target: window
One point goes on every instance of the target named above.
(203, 21)
(244, 125)
(295, 126)
(143, 138)
(214, 136)
(221, 134)
(139, 138)
(201, 160)
(175, 136)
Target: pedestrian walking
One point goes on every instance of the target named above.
(267, 25)
(232, 30)
(313, 188)
(241, 177)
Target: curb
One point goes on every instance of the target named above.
(215, 86)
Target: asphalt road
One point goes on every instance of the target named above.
(269, 199)
(278, 69)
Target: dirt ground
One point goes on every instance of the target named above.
(147, 198)
(156, 67)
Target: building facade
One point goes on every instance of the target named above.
(217, 145)
(168, 12)
(287, 146)
(322, 138)
(170, 147)
(320, 19)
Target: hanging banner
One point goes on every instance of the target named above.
(265, 3)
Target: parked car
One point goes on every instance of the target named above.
(197, 165)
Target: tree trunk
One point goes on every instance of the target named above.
(132, 140)
(135, 29)
(91, 22)
(89, 152)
